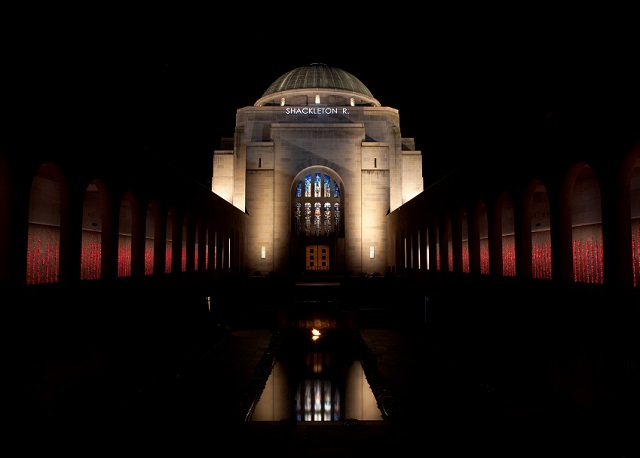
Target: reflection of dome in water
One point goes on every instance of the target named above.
(297, 85)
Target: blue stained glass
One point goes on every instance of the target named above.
(317, 218)
(316, 186)
(307, 186)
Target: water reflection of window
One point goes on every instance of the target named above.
(317, 400)
(316, 383)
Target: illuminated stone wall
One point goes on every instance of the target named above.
(360, 145)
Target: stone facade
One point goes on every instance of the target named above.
(359, 147)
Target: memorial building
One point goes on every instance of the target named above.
(317, 163)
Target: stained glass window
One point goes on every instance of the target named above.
(327, 218)
(307, 218)
(307, 186)
(318, 218)
(298, 215)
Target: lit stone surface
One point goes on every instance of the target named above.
(349, 137)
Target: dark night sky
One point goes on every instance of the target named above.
(170, 90)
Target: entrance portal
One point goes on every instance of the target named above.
(317, 257)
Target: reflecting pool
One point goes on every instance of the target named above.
(316, 377)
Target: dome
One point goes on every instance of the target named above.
(336, 86)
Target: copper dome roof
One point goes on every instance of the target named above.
(317, 77)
